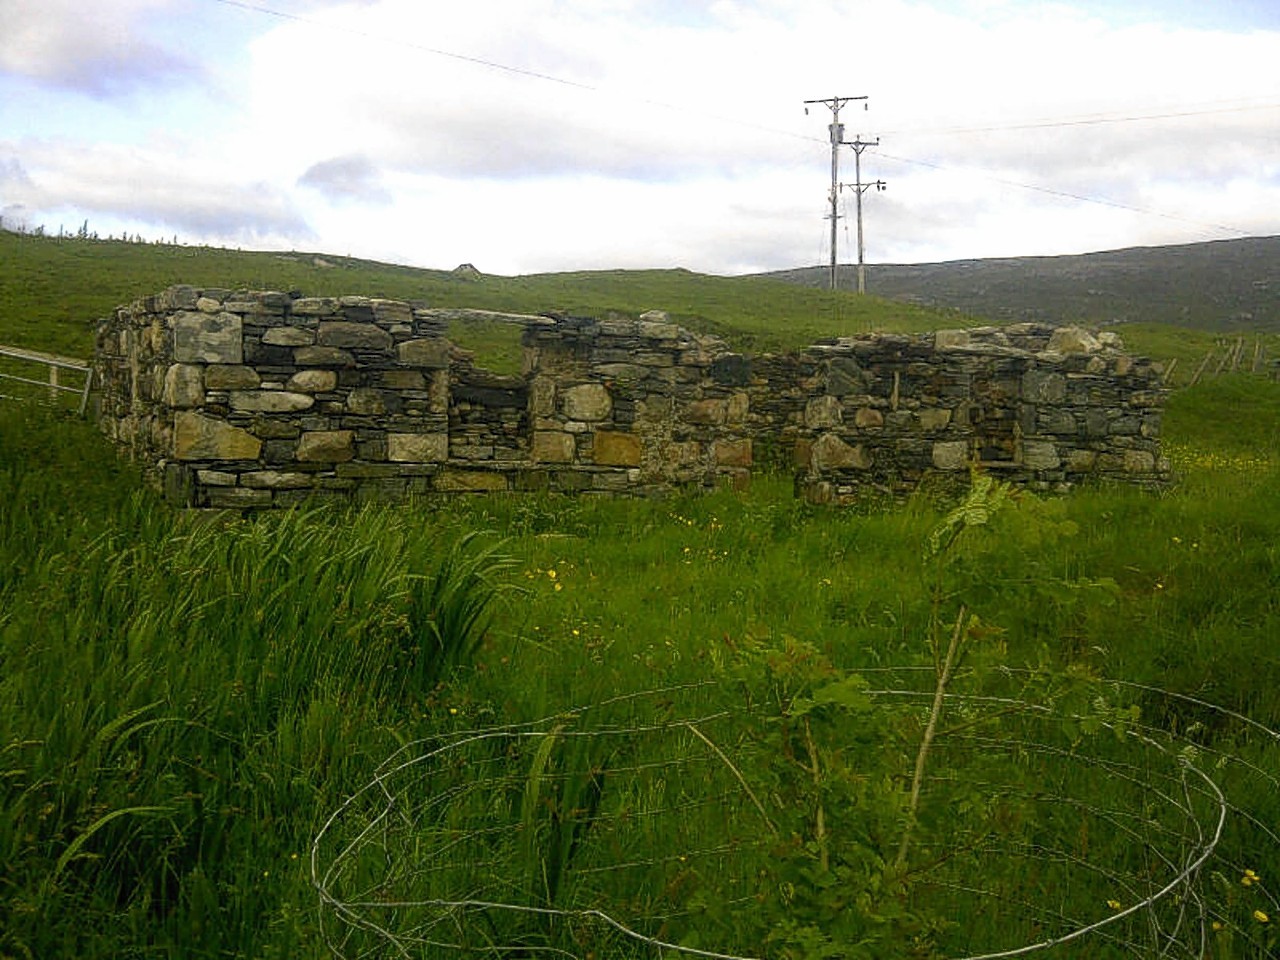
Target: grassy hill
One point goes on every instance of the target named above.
(1226, 286)
(699, 714)
(53, 290)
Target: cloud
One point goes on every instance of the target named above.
(559, 134)
(96, 48)
(192, 195)
(349, 179)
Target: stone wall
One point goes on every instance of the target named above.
(254, 399)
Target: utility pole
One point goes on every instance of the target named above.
(859, 145)
(837, 139)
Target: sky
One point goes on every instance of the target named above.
(527, 136)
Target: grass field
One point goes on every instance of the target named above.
(733, 723)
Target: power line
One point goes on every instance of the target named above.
(1066, 194)
(1048, 123)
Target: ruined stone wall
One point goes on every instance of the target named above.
(241, 399)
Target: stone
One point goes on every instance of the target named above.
(1081, 461)
(868, 417)
(404, 380)
(270, 401)
(737, 408)
(221, 376)
(658, 330)
(1139, 461)
(312, 381)
(184, 386)
(951, 454)
(824, 411)
(829, 452)
(542, 397)
(391, 311)
(238, 498)
(587, 401)
(1043, 386)
(707, 412)
(208, 305)
(366, 401)
(616, 449)
(431, 353)
(276, 480)
(197, 437)
(731, 369)
(553, 446)
(315, 307)
(289, 337)
(471, 481)
(326, 446)
(1069, 340)
(845, 376)
(353, 336)
(951, 339)
(1040, 455)
(933, 419)
(216, 478)
(417, 447)
(208, 338)
(732, 453)
(323, 357)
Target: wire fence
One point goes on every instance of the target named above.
(699, 821)
(29, 375)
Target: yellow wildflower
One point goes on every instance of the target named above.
(1261, 917)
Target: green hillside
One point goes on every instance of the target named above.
(52, 290)
(1224, 285)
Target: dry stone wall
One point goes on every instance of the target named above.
(253, 399)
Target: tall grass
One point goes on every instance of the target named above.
(185, 699)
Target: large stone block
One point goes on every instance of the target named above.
(951, 339)
(1073, 340)
(587, 401)
(184, 385)
(276, 480)
(208, 338)
(353, 336)
(616, 449)
(312, 381)
(417, 447)
(323, 357)
(1040, 455)
(934, 418)
(868, 417)
(326, 446)
(824, 411)
(829, 452)
(197, 437)
(553, 446)
(711, 412)
(289, 337)
(951, 454)
(431, 353)
(471, 481)
(270, 401)
(732, 453)
(1043, 386)
(366, 401)
(542, 396)
(221, 376)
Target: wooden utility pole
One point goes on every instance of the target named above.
(836, 130)
(858, 146)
